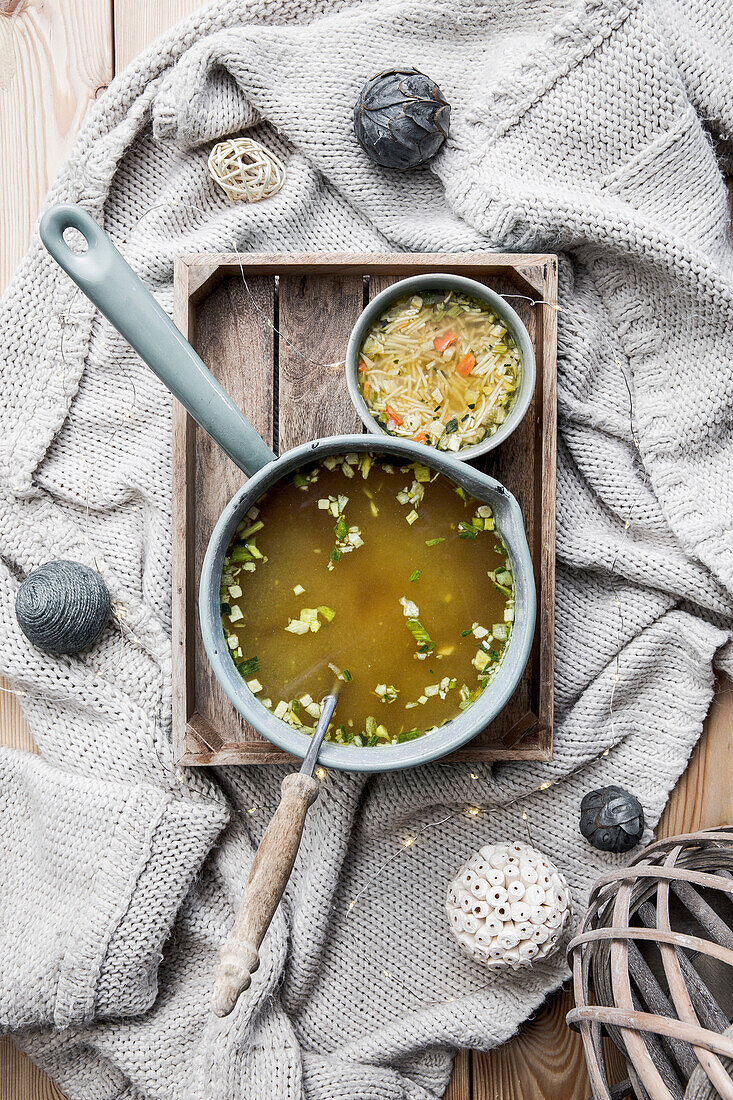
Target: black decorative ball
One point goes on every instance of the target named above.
(62, 607)
(611, 819)
(401, 118)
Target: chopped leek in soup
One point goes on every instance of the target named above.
(440, 368)
(389, 577)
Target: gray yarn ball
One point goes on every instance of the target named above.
(63, 606)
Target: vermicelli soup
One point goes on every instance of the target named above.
(440, 368)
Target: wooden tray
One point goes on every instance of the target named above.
(229, 306)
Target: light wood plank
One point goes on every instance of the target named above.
(139, 22)
(459, 1086)
(19, 1078)
(54, 59)
(543, 1062)
(704, 796)
(13, 726)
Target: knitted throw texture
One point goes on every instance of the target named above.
(591, 128)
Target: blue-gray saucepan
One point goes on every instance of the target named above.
(108, 281)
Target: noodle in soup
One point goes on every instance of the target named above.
(440, 368)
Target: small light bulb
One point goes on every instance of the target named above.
(408, 840)
(321, 773)
(252, 810)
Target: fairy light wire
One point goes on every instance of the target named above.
(406, 843)
(472, 810)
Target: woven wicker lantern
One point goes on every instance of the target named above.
(653, 969)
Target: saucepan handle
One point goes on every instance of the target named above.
(114, 288)
(268, 877)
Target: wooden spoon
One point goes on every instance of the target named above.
(268, 877)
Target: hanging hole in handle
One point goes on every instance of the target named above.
(75, 241)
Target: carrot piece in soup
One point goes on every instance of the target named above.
(466, 365)
(362, 366)
(420, 438)
(442, 343)
(393, 415)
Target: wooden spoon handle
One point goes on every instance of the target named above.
(273, 862)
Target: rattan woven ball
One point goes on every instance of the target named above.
(246, 170)
(653, 969)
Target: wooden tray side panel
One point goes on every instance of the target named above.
(275, 339)
(235, 338)
(547, 458)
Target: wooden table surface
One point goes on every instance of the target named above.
(55, 57)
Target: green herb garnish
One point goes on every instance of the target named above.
(408, 735)
(451, 426)
(335, 554)
(251, 530)
(425, 643)
(433, 542)
(494, 576)
(327, 612)
(415, 575)
(347, 676)
(249, 667)
(341, 528)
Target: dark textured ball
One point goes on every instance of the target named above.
(401, 118)
(611, 819)
(62, 607)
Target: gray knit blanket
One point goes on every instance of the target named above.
(594, 128)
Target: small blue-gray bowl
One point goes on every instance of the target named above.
(442, 281)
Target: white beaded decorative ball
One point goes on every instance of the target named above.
(508, 905)
(246, 170)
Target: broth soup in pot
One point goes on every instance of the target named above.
(389, 577)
